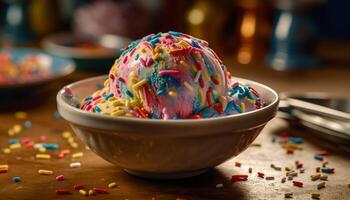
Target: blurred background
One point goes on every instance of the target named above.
(288, 44)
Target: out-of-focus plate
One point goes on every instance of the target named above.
(88, 54)
(22, 90)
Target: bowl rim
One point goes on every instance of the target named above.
(178, 122)
(52, 45)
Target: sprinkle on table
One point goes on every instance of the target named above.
(63, 191)
(235, 178)
(288, 195)
(60, 178)
(315, 195)
(16, 179)
(45, 172)
(298, 183)
(75, 165)
(112, 185)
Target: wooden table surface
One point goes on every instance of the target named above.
(96, 172)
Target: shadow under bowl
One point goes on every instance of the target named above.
(166, 149)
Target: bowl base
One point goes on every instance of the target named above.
(176, 175)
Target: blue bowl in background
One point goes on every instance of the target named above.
(22, 91)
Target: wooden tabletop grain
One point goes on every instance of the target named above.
(95, 172)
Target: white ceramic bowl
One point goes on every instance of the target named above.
(165, 148)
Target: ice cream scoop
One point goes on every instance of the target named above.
(171, 76)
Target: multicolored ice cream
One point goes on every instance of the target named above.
(171, 76)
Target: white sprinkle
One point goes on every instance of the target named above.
(220, 185)
(38, 145)
(75, 165)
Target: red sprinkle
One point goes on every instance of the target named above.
(238, 164)
(261, 175)
(215, 81)
(121, 79)
(2, 171)
(61, 155)
(60, 178)
(299, 165)
(180, 52)
(290, 151)
(169, 72)
(318, 169)
(100, 190)
(297, 184)
(111, 76)
(78, 186)
(239, 178)
(209, 96)
(62, 191)
(43, 138)
(201, 83)
(218, 108)
(125, 59)
(254, 92)
(198, 65)
(194, 117)
(323, 153)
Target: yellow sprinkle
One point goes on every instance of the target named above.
(183, 44)
(77, 155)
(43, 156)
(172, 93)
(315, 177)
(106, 82)
(11, 132)
(139, 84)
(6, 167)
(128, 115)
(17, 128)
(6, 150)
(70, 140)
(112, 99)
(184, 63)
(157, 57)
(324, 177)
(118, 113)
(45, 172)
(250, 101)
(15, 146)
(21, 115)
(243, 107)
(42, 150)
(112, 185)
(188, 86)
(202, 97)
(127, 103)
(66, 134)
(74, 145)
(83, 192)
(91, 192)
(205, 75)
(117, 103)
